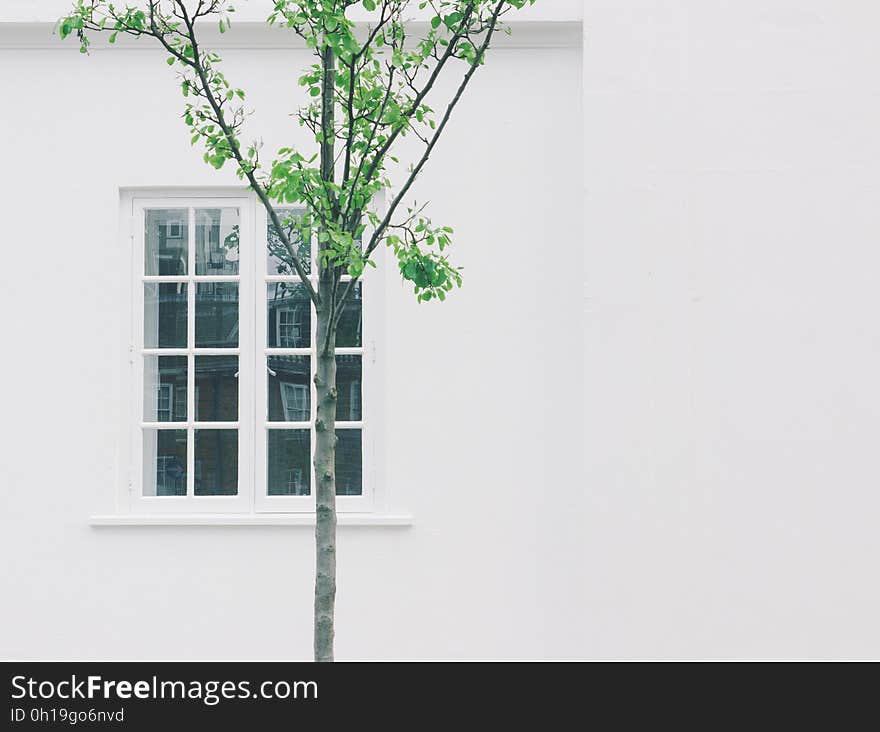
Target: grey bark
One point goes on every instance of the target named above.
(325, 490)
(325, 421)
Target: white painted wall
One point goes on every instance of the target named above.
(32, 11)
(731, 348)
(483, 428)
(732, 339)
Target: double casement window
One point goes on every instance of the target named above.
(222, 363)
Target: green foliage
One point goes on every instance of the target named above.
(369, 87)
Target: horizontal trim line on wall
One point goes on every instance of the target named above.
(264, 519)
(525, 34)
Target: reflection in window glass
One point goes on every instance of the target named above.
(165, 315)
(217, 238)
(216, 462)
(217, 315)
(165, 242)
(348, 333)
(289, 395)
(289, 457)
(348, 388)
(290, 315)
(164, 462)
(349, 479)
(164, 382)
(278, 258)
(216, 388)
(205, 387)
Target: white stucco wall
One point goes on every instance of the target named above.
(29, 11)
(722, 342)
(732, 342)
(483, 431)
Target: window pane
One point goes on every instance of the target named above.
(164, 462)
(166, 239)
(348, 333)
(216, 465)
(290, 315)
(349, 481)
(165, 315)
(278, 259)
(348, 389)
(164, 382)
(290, 463)
(217, 233)
(289, 397)
(217, 315)
(216, 388)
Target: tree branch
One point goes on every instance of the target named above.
(376, 236)
(377, 233)
(244, 166)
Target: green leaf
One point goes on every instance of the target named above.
(370, 4)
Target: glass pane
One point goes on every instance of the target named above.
(165, 243)
(164, 383)
(216, 315)
(216, 465)
(217, 234)
(289, 398)
(164, 462)
(216, 388)
(165, 315)
(290, 462)
(278, 259)
(349, 481)
(290, 315)
(348, 333)
(348, 389)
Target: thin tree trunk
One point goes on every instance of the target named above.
(325, 490)
(325, 383)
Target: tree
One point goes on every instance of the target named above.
(369, 87)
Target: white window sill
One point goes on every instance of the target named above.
(267, 519)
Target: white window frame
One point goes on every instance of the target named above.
(190, 503)
(252, 498)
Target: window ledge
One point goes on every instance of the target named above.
(218, 519)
